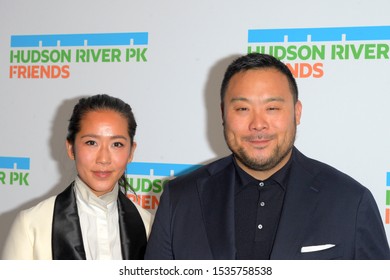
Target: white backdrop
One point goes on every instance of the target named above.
(172, 82)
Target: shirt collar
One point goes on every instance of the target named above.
(89, 197)
(280, 177)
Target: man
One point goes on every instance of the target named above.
(267, 200)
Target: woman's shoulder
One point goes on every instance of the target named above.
(44, 207)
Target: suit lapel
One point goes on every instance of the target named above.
(132, 230)
(67, 241)
(217, 197)
(299, 204)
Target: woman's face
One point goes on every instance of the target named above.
(101, 150)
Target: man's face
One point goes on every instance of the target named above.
(260, 120)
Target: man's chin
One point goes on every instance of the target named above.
(255, 163)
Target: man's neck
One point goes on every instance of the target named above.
(264, 174)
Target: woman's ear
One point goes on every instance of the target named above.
(69, 150)
(131, 155)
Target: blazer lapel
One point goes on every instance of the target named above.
(217, 197)
(299, 204)
(67, 242)
(132, 230)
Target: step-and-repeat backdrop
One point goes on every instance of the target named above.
(167, 59)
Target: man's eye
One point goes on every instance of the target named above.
(118, 144)
(90, 143)
(242, 109)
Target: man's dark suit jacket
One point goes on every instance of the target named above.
(326, 214)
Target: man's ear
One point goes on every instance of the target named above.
(222, 113)
(298, 112)
(69, 150)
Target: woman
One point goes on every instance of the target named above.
(92, 218)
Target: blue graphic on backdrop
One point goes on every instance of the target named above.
(13, 171)
(80, 40)
(22, 163)
(331, 34)
(159, 169)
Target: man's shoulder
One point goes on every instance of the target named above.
(204, 171)
(325, 174)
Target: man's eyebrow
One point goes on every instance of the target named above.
(235, 99)
(273, 99)
(269, 99)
